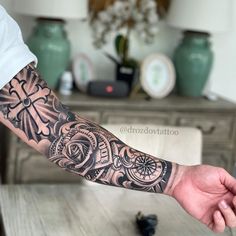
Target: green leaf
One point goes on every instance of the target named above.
(122, 47)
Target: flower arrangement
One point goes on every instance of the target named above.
(138, 15)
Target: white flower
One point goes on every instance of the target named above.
(116, 24)
(132, 2)
(152, 18)
(118, 7)
(137, 17)
(104, 17)
(110, 10)
(126, 12)
(151, 4)
(140, 26)
(147, 5)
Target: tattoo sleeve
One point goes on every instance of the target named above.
(34, 113)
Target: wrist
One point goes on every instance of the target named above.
(177, 173)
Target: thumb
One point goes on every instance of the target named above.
(228, 181)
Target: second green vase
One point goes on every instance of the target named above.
(193, 61)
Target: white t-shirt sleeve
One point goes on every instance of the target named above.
(14, 53)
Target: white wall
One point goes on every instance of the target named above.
(223, 76)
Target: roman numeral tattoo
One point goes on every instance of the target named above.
(74, 143)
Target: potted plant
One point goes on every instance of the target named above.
(133, 15)
(126, 67)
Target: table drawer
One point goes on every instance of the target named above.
(25, 165)
(215, 128)
(31, 167)
(124, 117)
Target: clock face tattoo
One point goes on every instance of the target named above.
(140, 171)
(145, 168)
(148, 171)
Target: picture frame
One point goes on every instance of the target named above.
(83, 71)
(158, 76)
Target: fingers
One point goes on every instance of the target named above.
(219, 222)
(228, 214)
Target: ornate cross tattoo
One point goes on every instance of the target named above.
(27, 104)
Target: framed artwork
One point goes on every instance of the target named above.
(83, 71)
(157, 76)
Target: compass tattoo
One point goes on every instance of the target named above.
(74, 143)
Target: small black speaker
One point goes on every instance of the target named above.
(108, 89)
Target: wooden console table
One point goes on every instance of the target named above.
(217, 121)
(72, 210)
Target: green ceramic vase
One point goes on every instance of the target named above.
(50, 44)
(193, 61)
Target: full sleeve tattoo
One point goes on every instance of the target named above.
(34, 113)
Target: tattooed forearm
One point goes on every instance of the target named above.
(80, 146)
(86, 149)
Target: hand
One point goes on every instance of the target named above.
(208, 194)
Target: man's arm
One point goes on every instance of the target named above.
(32, 111)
